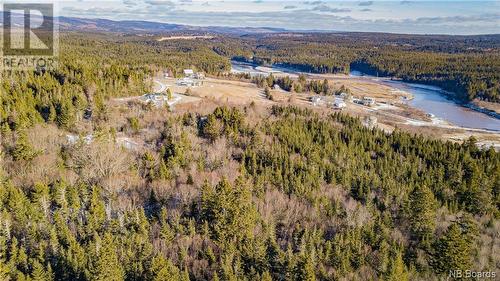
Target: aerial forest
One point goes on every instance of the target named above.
(235, 193)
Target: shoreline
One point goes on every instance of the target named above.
(483, 110)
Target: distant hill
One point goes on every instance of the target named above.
(127, 26)
(131, 26)
(150, 27)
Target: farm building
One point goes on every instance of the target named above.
(191, 78)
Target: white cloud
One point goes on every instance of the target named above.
(389, 16)
(328, 9)
(365, 3)
(160, 3)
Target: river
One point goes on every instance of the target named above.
(433, 100)
(427, 98)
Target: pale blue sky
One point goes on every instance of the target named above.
(445, 17)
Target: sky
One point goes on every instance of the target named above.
(418, 16)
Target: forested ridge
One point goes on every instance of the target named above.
(297, 196)
(247, 193)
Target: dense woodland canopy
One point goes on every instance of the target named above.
(281, 193)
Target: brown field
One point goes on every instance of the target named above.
(359, 87)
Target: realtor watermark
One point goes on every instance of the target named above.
(471, 274)
(30, 36)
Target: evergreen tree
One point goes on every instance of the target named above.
(267, 94)
(97, 212)
(304, 269)
(134, 124)
(23, 149)
(52, 114)
(452, 251)
(266, 276)
(4, 268)
(396, 270)
(228, 211)
(106, 265)
(212, 128)
(169, 94)
(422, 213)
(149, 170)
(39, 273)
(163, 270)
(65, 114)
(163, 171)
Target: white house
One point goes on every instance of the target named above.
(156, 99)
(189, 73)
(73, 139)
(188, 82)
(368, 101)
(199, 76)
(339, 104)
(316, 100)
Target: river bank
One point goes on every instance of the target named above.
(483, 110)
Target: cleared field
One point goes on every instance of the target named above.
(233, 92)
(361, 88)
